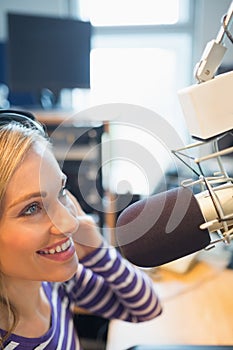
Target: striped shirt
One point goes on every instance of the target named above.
(105, 284)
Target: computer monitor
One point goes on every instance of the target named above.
(47, 54)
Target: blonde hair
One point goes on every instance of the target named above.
(15, 141)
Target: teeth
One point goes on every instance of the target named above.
(58, 248)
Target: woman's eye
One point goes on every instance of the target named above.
(32, 209)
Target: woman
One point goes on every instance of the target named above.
(52, 256)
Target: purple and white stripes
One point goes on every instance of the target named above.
(106, 285)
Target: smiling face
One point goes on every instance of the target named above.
(37, 220)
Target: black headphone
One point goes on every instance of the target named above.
(24, 118)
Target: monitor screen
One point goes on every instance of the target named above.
(48, 53)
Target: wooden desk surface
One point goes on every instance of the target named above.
(197, 309)
(69, 116)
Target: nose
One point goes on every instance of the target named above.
(63, 221)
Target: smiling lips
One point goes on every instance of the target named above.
(60, 252)
(56, 249)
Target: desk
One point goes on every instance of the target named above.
(197, 309)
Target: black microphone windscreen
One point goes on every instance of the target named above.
(161, 228)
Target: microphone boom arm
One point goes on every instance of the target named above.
(214, 51)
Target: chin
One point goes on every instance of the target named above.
(64, 274)
(61, 278)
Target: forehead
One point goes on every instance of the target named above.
(38, 170)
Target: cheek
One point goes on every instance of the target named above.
(18, 248)
(21, 238)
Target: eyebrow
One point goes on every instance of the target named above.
(27, 197)
(30, 196)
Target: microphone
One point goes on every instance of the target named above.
(176, 223)
(171, 225)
